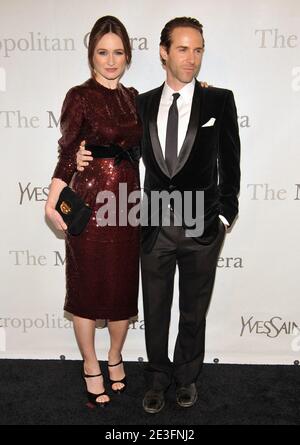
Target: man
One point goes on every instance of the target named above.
(190, 143)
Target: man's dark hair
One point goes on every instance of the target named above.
(178, 22)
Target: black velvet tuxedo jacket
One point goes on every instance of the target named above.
(208, 161)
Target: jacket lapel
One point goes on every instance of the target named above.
(190, 137)
(192, 129)
(157, 150)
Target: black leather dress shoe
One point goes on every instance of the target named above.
(186, 396)
(154, 401)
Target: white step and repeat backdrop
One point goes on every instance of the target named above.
(252, 48)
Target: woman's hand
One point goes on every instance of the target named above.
(204, 84)
(55, 218)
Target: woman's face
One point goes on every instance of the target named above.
(109, 58)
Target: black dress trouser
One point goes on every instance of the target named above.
(197, 268)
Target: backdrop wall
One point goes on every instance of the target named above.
(251, 48)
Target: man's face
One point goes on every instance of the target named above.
(183, 61)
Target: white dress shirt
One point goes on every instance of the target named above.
(184, 105)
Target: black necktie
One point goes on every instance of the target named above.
(172, 135)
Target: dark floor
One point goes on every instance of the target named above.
(52, 393)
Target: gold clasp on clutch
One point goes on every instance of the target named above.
(65, 208)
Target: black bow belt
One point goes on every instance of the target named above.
(114, 151)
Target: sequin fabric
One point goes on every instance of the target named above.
(102, 263)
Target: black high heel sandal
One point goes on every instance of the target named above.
(92, 398)
(123, 381)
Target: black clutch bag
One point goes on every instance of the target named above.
(74, 211)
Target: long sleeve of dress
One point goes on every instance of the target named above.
(71, 122)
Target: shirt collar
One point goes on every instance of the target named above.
(186, 93)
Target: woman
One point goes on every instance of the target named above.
(102, 262)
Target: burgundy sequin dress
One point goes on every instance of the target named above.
(102, 263)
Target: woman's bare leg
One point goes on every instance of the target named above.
(85, 336)
(118, 332)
